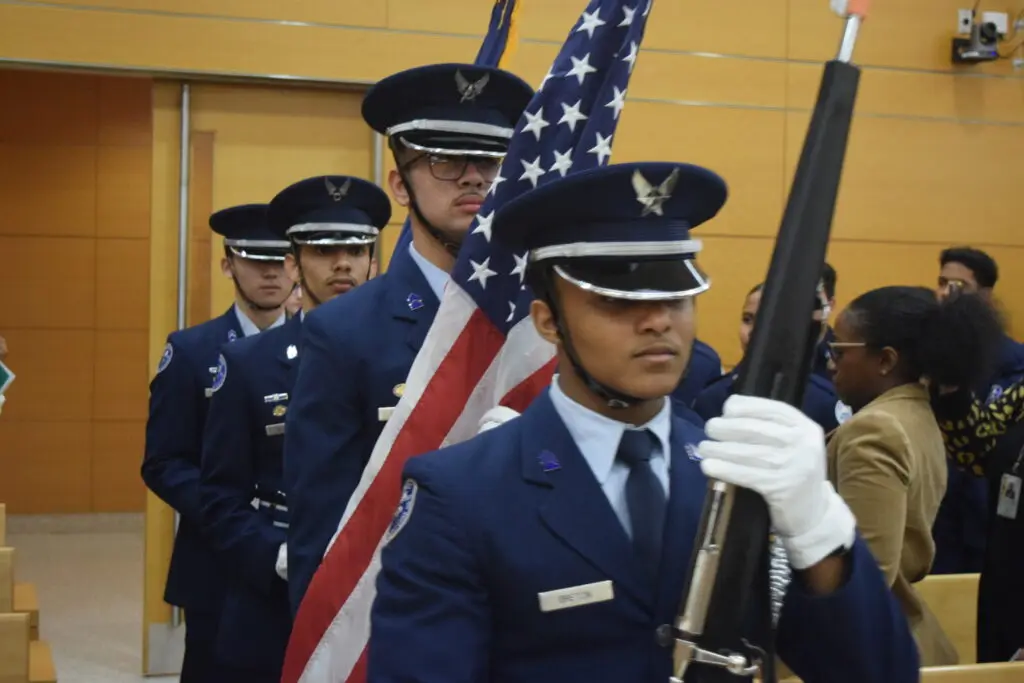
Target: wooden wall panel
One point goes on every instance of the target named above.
(54, 369)
(122, 201)
(46, 282)
(47, 189)
(74, 292)
(122, 284)
(46, 470)
(120, 361)
(61, 109)
(116, 488)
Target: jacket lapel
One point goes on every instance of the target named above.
(410, 298)
(687, 490)
(576, 509)
(232, 329)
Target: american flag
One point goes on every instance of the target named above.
(482, 349)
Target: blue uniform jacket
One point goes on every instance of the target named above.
(961, 525)
(821, 403)
(178, 404)
(357, 350)
(704, 367)
(244, 511)
(489, 529)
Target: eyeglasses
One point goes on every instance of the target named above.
(445, 167)
(836, 349)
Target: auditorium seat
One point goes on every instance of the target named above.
(14, 648)
(1002, 672)
(953, 599)
(23, 657)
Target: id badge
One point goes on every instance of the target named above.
(1009, 496)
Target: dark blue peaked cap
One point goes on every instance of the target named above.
(621, 230)
(329, 210)
(247, 234)
(449, 108)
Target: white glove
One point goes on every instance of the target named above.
(773, 449)
(281, 567)
(839, 7)
(495, 417)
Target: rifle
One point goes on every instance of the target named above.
(731, 556)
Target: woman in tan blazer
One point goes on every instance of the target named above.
(888, 461)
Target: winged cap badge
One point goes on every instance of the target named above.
(468, 89)
(653, 198)
(337, 193)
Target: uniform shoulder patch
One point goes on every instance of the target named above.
(222, 374)
(843, 412)
(404, 510)
(165, 358)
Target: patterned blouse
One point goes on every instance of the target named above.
(972, 427)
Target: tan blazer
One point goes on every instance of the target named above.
(888, 462)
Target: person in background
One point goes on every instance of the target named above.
(820, 402)
(703, 368)
(962, 524)
(186, 375)
(986, 440)
(888, 461)
(553, 547)
(245, 515)
(293, 306)
(448, 135)
(822, 356)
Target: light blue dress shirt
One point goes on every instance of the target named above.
(436, 278)
(598, 437)
(249, 327)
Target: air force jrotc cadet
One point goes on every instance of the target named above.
(821, 403)
(332, 223)
(552, 548)
(448, 126)
(179, 396)
(704, 367)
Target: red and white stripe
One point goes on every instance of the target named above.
(465, 368)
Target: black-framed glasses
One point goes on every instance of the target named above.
(453, 167)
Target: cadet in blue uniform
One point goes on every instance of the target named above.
(553, 547)
(332, 223)
(704, 367)
(962, 523)
(448, 127)
(179, 395)
(820, 403)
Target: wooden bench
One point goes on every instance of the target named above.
(40, 663)
(953, 599)
(26, 601)
(14, 648)
(19, 608)
(1002, 672)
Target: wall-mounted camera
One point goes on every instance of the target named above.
(978, 40)
(981, 46)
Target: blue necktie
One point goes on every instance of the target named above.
(645, 499)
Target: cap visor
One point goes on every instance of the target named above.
(644, 280)
(257, 254)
